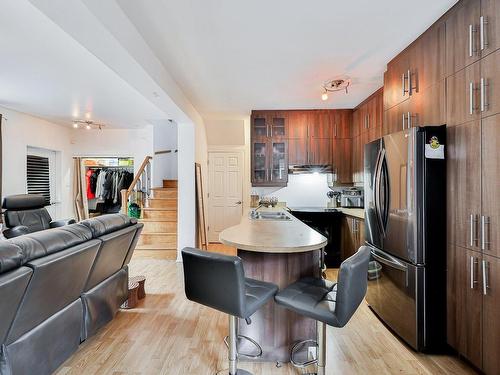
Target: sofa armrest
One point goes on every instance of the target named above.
(16, 231)
(61, 223)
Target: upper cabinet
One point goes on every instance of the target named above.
(269, 148)
(472, 32)
(418, 67)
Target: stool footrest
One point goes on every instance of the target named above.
(252, 341)
(296, 347)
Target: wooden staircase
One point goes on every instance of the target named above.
(159, 215)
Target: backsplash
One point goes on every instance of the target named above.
(303, 190)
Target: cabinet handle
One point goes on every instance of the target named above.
(267, 174)
(485, 277)
(403, 84)
(404, 121)
(485, 240)
(409, 83)
(473, 230)
(472, 48)
(473, 281)
(267, 130)
(484, 103)
(409, 120)
(335, 131)
(368, 121)
(471, 99)
(482, 32)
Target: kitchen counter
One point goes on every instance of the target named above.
(358, 213)
(272, 236)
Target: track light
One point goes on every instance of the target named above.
(324, 96)
(75, 125)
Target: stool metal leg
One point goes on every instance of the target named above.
(233, 351)
(321, 348)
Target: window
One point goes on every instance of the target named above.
(38, 176)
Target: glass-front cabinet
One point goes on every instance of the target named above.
(269, 130)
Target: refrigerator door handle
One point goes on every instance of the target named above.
(388, 260)
(378, 179)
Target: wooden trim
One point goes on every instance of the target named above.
(146, 161)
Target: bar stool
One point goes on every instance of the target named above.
(218, 281)
(326, 302)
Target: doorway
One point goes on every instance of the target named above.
(225, 191)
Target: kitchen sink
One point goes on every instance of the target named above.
(273, 215)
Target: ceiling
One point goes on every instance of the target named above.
(233, 56)
(130, 63)
(46, 73)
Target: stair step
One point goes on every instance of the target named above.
(164, 193)
(170, 183)
(157, 240)
(168, 254)
(159, 226)
(159, 213)
(165, 203)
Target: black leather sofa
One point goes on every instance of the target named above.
(26, 213)
(58, 287)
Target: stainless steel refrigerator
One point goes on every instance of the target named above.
(405, 213)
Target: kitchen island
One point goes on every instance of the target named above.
(278, 250)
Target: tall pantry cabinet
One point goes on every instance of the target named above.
(473, 119)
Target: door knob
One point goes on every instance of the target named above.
(239, 202)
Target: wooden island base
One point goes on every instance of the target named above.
(275, 328)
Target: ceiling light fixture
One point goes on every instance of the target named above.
(88, 124)
(334, 85)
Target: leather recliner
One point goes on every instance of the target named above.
(26, 213)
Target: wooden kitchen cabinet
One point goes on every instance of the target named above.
(356, 122)
(352, 236)
(341, 160)
(462, 35)
(489, 85)
(342, 119)
(320, 151)
(320, 124)
(490, 11)
(297, 151)
(269, 148)
(464, 184)
(462, 95)
(491, 312)
(395, 118)
(465, 298)
(395, 80)
(490, 186)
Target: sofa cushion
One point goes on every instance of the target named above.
(12, 287)
(11, 256)
(39, 244)
(58, 280)
(108, 223)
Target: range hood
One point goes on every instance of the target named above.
(310, 168)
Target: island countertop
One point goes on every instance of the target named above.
(273, 236)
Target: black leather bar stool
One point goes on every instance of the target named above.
(329, 303)
(218, 281)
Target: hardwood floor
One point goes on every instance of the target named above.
(167, 334)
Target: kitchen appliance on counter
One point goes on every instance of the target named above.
(352, 197)
(334, 199)
(405, 227)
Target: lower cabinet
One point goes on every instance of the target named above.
(474, 307)
(353, 236)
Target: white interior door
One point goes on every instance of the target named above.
(225, 194)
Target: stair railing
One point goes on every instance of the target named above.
(141, 183)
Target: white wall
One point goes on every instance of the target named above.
(303, 190)
(136, 143)
(225, 132)
(186, 214)
(19, 131)
(164, 165)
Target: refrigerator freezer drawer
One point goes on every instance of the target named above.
(394, 294)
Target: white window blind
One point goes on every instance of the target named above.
(38, 176)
